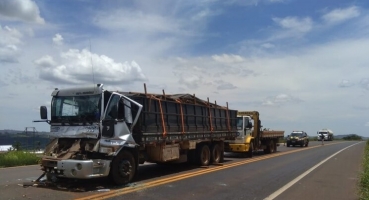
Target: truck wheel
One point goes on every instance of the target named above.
(123, 168)
(270, 147)
(216, 153)
(288, 144)
(203, 155)
(307, 144)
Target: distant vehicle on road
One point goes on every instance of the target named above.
(298, 138)
(328, 134)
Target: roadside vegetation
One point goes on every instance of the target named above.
(364, 179)
(16, 156)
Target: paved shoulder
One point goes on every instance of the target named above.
(335, 179)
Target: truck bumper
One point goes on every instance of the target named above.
(237, 148)
(79, 169)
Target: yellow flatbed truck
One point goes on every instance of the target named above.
(251, 137)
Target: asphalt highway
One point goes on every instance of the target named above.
(330, 171)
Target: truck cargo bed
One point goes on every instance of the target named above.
(181, 117)
(272, 134)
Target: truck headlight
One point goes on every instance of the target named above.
(106, 150)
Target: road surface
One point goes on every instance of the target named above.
(272, 176)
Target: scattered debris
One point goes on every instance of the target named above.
(103, 190)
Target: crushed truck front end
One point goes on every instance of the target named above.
(86, 135)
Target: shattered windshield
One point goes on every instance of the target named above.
(75, 109)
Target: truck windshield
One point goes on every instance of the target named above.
(239, 123)
(296, 134)
(322, 133)
(75, 109)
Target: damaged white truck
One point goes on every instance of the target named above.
(100, 133)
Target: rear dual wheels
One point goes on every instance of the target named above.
(206, 155)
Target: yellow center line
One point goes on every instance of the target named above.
(150, 184)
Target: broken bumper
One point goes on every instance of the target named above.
(80, 169)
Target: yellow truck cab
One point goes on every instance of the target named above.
(251, 137)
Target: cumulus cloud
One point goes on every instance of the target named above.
(20, 10)
(46, 62)
(9, 39)
(58, 39)
(280, 100)
(345, 83)
(340, 15)
(77, 67)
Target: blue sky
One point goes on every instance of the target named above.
(302, 64)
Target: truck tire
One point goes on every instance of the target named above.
(203, 155)
(270, 147)
(123, 168)
(216, 153)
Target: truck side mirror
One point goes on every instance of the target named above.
(43, 112)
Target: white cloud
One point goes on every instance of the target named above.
(58, 39)
(23, 10)
(366, 124)
(268, 45)
(280, 100)
(191, 81)
(295, 24)
(45, 61)
(9, 39)
(346, 83)
(136, 21)
(78, 66)
(340, 15)
(227, 58)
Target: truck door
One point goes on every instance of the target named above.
(117, 120)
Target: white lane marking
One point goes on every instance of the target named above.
(288, 185)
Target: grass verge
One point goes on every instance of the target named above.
(364, 179)
(18, 158)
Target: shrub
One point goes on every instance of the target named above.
(18, 158)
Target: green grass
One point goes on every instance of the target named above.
(364, 179)
(18, 158)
